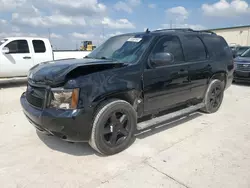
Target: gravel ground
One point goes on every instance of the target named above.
(197, 151)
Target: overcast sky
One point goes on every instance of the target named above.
(72, 21)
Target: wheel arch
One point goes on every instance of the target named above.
(221, 75)
(131, 96)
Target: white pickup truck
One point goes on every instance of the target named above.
(19, 54)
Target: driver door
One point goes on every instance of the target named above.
(18, 61)
(166, 86)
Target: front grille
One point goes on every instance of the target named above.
(35, 96)
(243, 67)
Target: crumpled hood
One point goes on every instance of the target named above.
(55, 72)
(242, 59)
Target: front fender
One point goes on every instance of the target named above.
(96, 87)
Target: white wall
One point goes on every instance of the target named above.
(240, 36)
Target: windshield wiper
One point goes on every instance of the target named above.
(99, 58)
(104, 57)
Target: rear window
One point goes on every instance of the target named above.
(39, 46)
(194, 49)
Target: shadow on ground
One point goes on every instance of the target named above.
(77, 149)
(246, 84)
(12, 83)
(83, 149)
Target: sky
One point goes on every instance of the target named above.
(68, 22)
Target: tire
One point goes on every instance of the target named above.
(108, 127)
(213, 97)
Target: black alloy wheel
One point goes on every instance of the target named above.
(215, 97)
(114, 126)
(116, 129)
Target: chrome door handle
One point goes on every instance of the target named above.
(181, 72)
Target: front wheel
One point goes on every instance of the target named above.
(214, 96)
(113, 127)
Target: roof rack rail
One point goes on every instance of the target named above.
(179, 29)
(207, 31)
(186, 29)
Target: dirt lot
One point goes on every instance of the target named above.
(198, 151)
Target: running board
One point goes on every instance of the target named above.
(167, 117)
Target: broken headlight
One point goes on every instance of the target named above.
(64, 98)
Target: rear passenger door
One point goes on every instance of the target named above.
(166, 86)
(199, 65)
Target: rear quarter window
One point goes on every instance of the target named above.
(39, 46)
(217, 47)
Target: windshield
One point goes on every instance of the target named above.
(246, 53)
(2, 41)
(124, 48)
(241, 50)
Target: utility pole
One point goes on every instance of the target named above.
(76, 46)
(49, 33)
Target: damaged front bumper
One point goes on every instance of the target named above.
(71, 125)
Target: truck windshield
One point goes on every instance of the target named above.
(123, 48)
(246, 53)
(2, 41)
(241, 50)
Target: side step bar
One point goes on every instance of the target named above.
(167, 117)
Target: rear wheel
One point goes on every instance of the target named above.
(214, 96)
(113, 127)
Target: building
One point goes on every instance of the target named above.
(235, 35)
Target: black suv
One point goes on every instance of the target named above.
(126, 84)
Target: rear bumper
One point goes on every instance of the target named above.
(70, 125)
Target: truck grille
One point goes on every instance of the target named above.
(243, 67)
(35, 96)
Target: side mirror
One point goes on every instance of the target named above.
(234, 52)
(161, 59)
(5, 50)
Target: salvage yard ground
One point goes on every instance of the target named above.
(198, 151)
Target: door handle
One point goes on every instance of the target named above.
(182, 71)
(26, 57)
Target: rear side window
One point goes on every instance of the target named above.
(170, 44)
(194, 49)
(217, 47)
(39, 46)
(18, 46)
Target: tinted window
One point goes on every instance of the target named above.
(18, 46)
(39, 46)
(217, 47)
(194, 49)
(171, 45)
